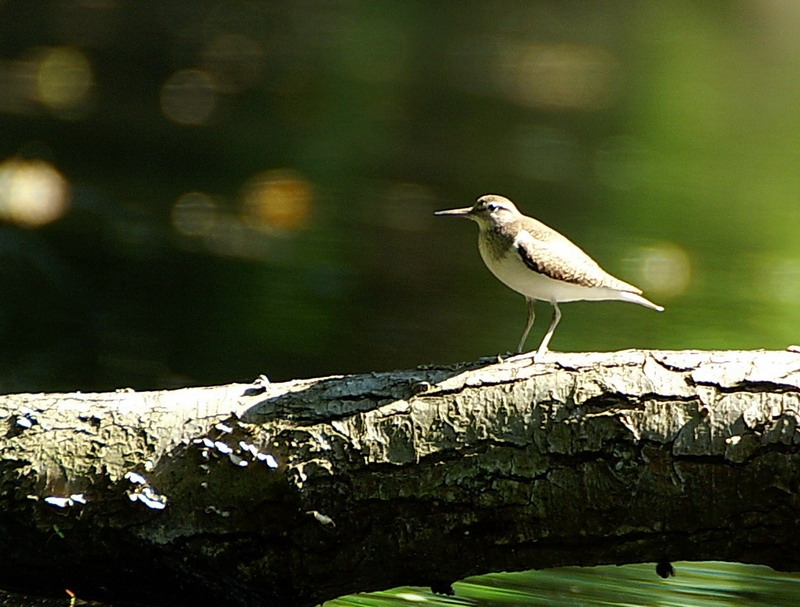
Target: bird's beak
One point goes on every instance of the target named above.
(465, 212)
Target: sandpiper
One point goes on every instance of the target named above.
(538, 262)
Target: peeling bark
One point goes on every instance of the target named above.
(294, 493)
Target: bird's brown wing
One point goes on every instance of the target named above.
(560, 259)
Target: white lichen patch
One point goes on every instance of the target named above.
(65, 502)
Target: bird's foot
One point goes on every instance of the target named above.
(537, 356)
(503, 357)
(531, 356)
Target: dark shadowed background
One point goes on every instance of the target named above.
(197, 192)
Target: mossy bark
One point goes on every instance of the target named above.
(299, 492)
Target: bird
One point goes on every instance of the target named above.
(535, 260)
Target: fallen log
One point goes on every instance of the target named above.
(297, 492)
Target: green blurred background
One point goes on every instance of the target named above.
(198, 192)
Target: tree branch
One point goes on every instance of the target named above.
(299, 492)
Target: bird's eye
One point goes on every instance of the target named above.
(492, 207)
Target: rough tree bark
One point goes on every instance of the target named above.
(294, 493)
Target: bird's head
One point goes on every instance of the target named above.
(489, 210)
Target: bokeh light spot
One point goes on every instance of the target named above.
(231, 237)
(779, 279)
(188, 97)
(665, 268)
(32, 192)
(194, 214)
(63, 79)
(559, 76)
(279, 198)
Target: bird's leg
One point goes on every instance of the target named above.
(543, 346)
(528, 325)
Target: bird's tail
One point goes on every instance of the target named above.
(638, 299)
